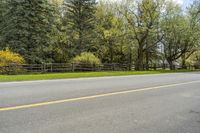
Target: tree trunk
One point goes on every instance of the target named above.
(171, 64)
(147, 60)
(184, 62)
(130, 59)
(80, 45)
(139, 62)
(111, 51)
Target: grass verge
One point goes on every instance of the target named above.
(46, 76)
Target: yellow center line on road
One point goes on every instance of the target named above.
(93, 96)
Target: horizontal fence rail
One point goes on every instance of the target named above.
(72, 67)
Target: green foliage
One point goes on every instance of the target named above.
(79, 18)
(143, 18)
(87, 58)
(3, 10)
(143, 33)
(110, 35)
(194, 59)
(181, 35)
(28, 25)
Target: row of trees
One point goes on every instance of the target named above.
(140, 32)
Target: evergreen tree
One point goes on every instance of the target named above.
(2, 13)
(27, 28)
(80, 22)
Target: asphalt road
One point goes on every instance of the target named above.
(165, 103)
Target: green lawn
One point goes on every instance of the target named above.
(26, 77)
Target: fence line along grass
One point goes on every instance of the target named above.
(80, 67)
(47, 76)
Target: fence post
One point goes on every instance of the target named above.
(164, 67)
(129, 66)
(113, 67)
(94, 67)
(154, 66)
(72, 67)
(8, 70)
(44, 68)
(189, 67)
(51, 67)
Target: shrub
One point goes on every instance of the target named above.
(197, 65)
(7, 58)
(87, 58)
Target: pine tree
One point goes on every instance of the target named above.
(27, 28)
(3, 10)
(80, 21)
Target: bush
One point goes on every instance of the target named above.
(86, 62)
(197, 65)
(9, 58)
(87, 58)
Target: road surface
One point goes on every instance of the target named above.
(160, 103)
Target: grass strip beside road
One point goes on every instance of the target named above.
(47, 76)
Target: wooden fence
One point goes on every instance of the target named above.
(72, 67)
(61, 67)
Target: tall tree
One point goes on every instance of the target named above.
(191, 36)
(80, 21)
(28, 25)
(172, 28)
(109, 33)
(194, 11)
(3, 9)
(181, 35)
(59, 51)
(142, 17)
